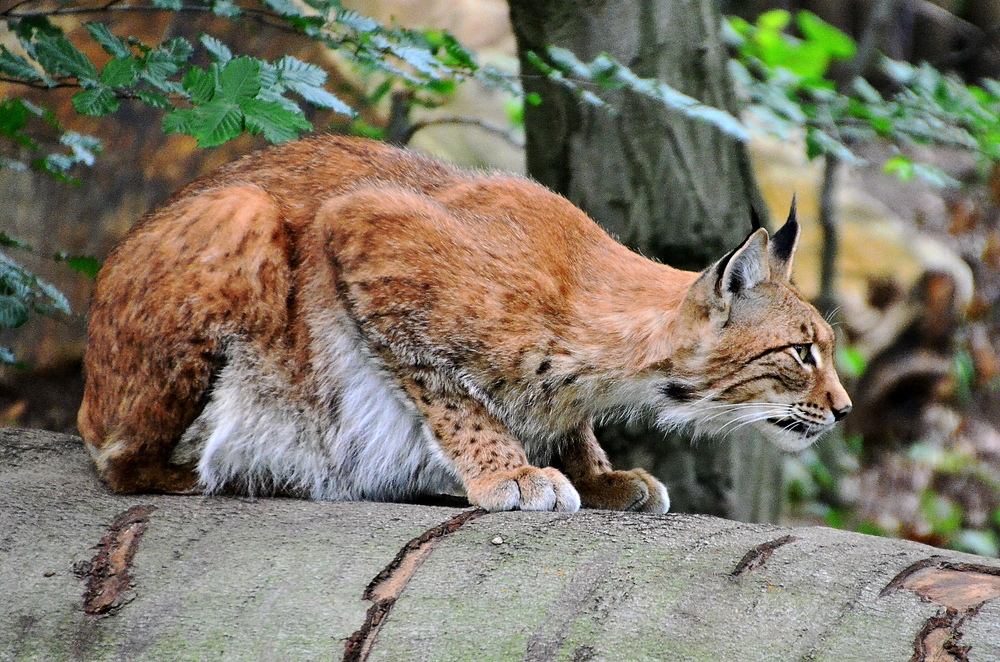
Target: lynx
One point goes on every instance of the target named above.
(336, 318)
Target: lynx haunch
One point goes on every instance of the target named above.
(339, 319)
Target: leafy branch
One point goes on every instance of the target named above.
(22, 294)
(785, 81)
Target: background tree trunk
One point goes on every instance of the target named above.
(673, 189)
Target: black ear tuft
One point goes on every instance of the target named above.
(783, 245)
(755, 223)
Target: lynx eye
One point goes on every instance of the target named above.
(804, 353)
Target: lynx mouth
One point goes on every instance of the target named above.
(789, 424)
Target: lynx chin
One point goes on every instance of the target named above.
(335, 318)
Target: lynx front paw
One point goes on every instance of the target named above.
(633, 490)
(527, 488)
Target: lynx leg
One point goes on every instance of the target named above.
(587, 466)
(205, 271)
(489, 461)
(134, 457)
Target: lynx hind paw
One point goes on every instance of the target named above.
(634, 490)
(527, 488)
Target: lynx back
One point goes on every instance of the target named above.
(335, 318)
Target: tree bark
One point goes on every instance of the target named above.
(88, 575)
(673, 189)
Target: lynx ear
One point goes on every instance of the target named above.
(783, 245)
(744, 268)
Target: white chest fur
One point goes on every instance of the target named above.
(356, 436)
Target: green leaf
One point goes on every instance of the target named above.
(58, 56)
(120, 71)
(935, 176)
(775, 20)
(88, 266)
(837, 44)
(292, 70)
(361, 128)
(113, 45)
(212, 124)
(218, 51)
(240, 78)
(307, 80)
(514, 109)
(13, 117)
(820, 143)
(160, 64)
(200, 85)
(168, 4)
(356, 21)
(318, 96)
(899, 165)
(154, 99)
(225, 8)
(810, 61)
(8, 241)
(178, 50)
(13, 312)
(284, 7)
(455, 55)
(26, 30)
(14, 65)
(56, 165)
(273, 120)
(420, 59)
(851, 362)
(95, 102)
(615, 75)
(736, 31)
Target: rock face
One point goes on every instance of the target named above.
(88, 575)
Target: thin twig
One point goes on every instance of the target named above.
(470, 121)
(261, 16)
(16, 5)
(867, 49)
(36, 85)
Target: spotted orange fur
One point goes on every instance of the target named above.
(340, 319)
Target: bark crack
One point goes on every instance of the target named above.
(758, 556)
(939, 639)
(386, 587)
(109, 574)
(961, 588)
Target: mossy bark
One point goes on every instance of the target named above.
(226, 578)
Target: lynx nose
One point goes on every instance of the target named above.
(839, 414)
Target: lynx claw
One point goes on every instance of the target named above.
(527, 488)
(634, 490)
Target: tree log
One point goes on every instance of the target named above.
(89, 575)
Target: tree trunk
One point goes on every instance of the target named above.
(86, 575)
(671, 188)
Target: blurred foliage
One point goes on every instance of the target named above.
(932, 503)
(23, 293)
(787, 81)
(239, 93)
(563, 67)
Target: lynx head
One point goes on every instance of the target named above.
(752, 351)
